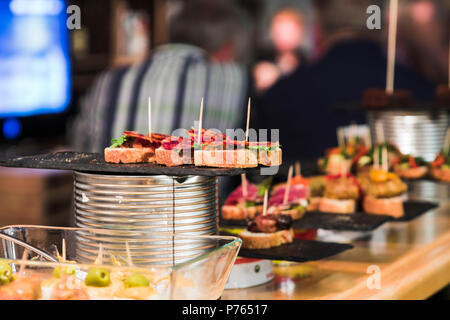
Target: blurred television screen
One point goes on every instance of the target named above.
(34, 57)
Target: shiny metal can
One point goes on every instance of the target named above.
(419, 133)
(153, 204)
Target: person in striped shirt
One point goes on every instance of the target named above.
(200, 61)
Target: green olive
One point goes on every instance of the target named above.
(67, 270)
(136, 280)
(97, 277)
(6, 274)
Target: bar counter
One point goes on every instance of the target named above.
(413, 259)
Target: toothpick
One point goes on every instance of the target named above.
(447, 139)
(63, 250)
(385, 160)
(244, 185)
(341, 139)
(200, 125)
(376, 158)
(22, 265)
(99, 259)
(130, 263)
(298, 170)
(266, 197)
(392, 40)
(150, 117)
(248, 119)
(380, 132)
(288, 187)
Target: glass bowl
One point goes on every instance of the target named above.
(177, 266)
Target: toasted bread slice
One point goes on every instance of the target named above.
(411, 173)
(441, 174)
(240, 158)
(270, 158)
(337, 206)
(173, 158)
(254, 240)
(129, 155)
(314, 204)
(385, 206)
(240, 213)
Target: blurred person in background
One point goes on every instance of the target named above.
(351, 59)
(287, 34)
(423, 37)
(201, 60)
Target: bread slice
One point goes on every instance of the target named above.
(441, 174)
(254, 240)
(313, 204)
(240, 158)
(337, 206)
(270, 158)
(411, 173)
(240, 213)
(173, 158)
(129, 155)
(385, 206)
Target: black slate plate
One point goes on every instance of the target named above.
(414, 209)
(298, 251)
(358, 221)
(330, 221)
(94, 162)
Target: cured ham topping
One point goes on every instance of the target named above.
(270, 223)
(237, 195)
(297, 193)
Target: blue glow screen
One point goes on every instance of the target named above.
(34, 57)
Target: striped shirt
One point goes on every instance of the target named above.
(176, 77)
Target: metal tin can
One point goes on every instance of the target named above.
(419, 133)
(156, 204)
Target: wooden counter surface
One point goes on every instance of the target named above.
(413, 259)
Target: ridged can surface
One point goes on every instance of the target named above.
(154, 204)
(419, 133)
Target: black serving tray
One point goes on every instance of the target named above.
(299, 250)
(330, 221)
(414, 209)
(95, 163)
(358, 221)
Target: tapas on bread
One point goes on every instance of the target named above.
(267, 230)
(382, 192)
(243, 203)
(410, 167)
(341, 194)
(198, 147)
(440, 167)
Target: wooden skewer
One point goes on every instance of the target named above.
(22, 265)
(244, 185)
(150, 117)
(447, 139)
(341, 139)
(380, 132)
(376, 165)
(392, 40)
(266, 198)
(248, 119)
(130, 263)
(63, 250)
(99, 259)
(385, 160)
(288, 187)
(298, 169)
(200, 124)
